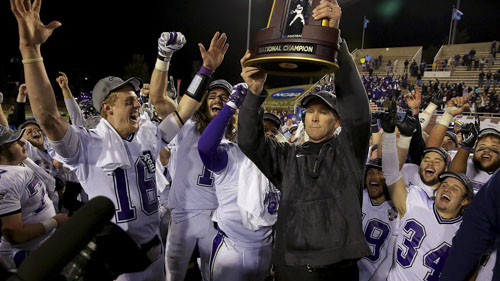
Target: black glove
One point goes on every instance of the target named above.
(388, 119)
(437, 99)
(408, 126)
(469, 132)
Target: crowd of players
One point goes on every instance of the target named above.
(180, 182)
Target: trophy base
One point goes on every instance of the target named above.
(313, 54)
(287, 65)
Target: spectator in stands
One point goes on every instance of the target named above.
(481, 78)
(406, 66)
(423, 65)
(457, 59)
(488, 79)
(413, 68)
(434, 65)
(491, 61)
(388, 67)
(419, 78)
(493, 49)
(376, 63)
(472, 53)
(481, 64)
(469, 63)
(476, 64)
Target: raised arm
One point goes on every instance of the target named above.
(390, 167)
(455, 106)
(3, 120)
(211, 154)
(19, 115)
(469, 132)
(353, 104)
(32, 34)
(168, 43)
(74, 111)
(262, 150)
(212, 58)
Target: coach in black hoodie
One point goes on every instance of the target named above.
(318, 232)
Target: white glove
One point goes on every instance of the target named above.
(169, 42)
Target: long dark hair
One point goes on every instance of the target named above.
(202, 117)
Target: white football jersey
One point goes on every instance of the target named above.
(45, 161)
(478, 177)
(379, 222)
(228, 214)
(411, 177)
(22, 191)
(192, 189)
(133, 190)
(423, 241)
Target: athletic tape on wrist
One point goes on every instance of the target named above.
(446, 119)
(49, 224)
(198, 87)
(404, 141)
(430, 108)
(162, 65)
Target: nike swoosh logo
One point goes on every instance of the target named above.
(299, 155)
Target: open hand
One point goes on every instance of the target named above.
(215, 54)
(32, 32)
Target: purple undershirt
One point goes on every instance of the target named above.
(211, 154)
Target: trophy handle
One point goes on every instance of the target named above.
(312, 21)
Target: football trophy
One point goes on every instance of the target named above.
(293, 43)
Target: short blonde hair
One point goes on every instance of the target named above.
(111, 100)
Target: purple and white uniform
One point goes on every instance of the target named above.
(23, 191)
(123, 170)
(423, 241)
(379, 224)
(238, 253)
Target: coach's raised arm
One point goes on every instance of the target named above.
(318, 233)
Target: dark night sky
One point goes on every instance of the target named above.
(98, 38)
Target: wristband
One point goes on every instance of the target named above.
(404, 141)
(162, 63)
(430, 108)
(28, 61)
(205, 71)
(374, 128)
(446, 119)
(469, 149)
(49, 224)
(198, 87)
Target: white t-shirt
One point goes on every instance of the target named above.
(22, 191)
(379, 222)
(423, 241)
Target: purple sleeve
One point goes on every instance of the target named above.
(212, 155)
